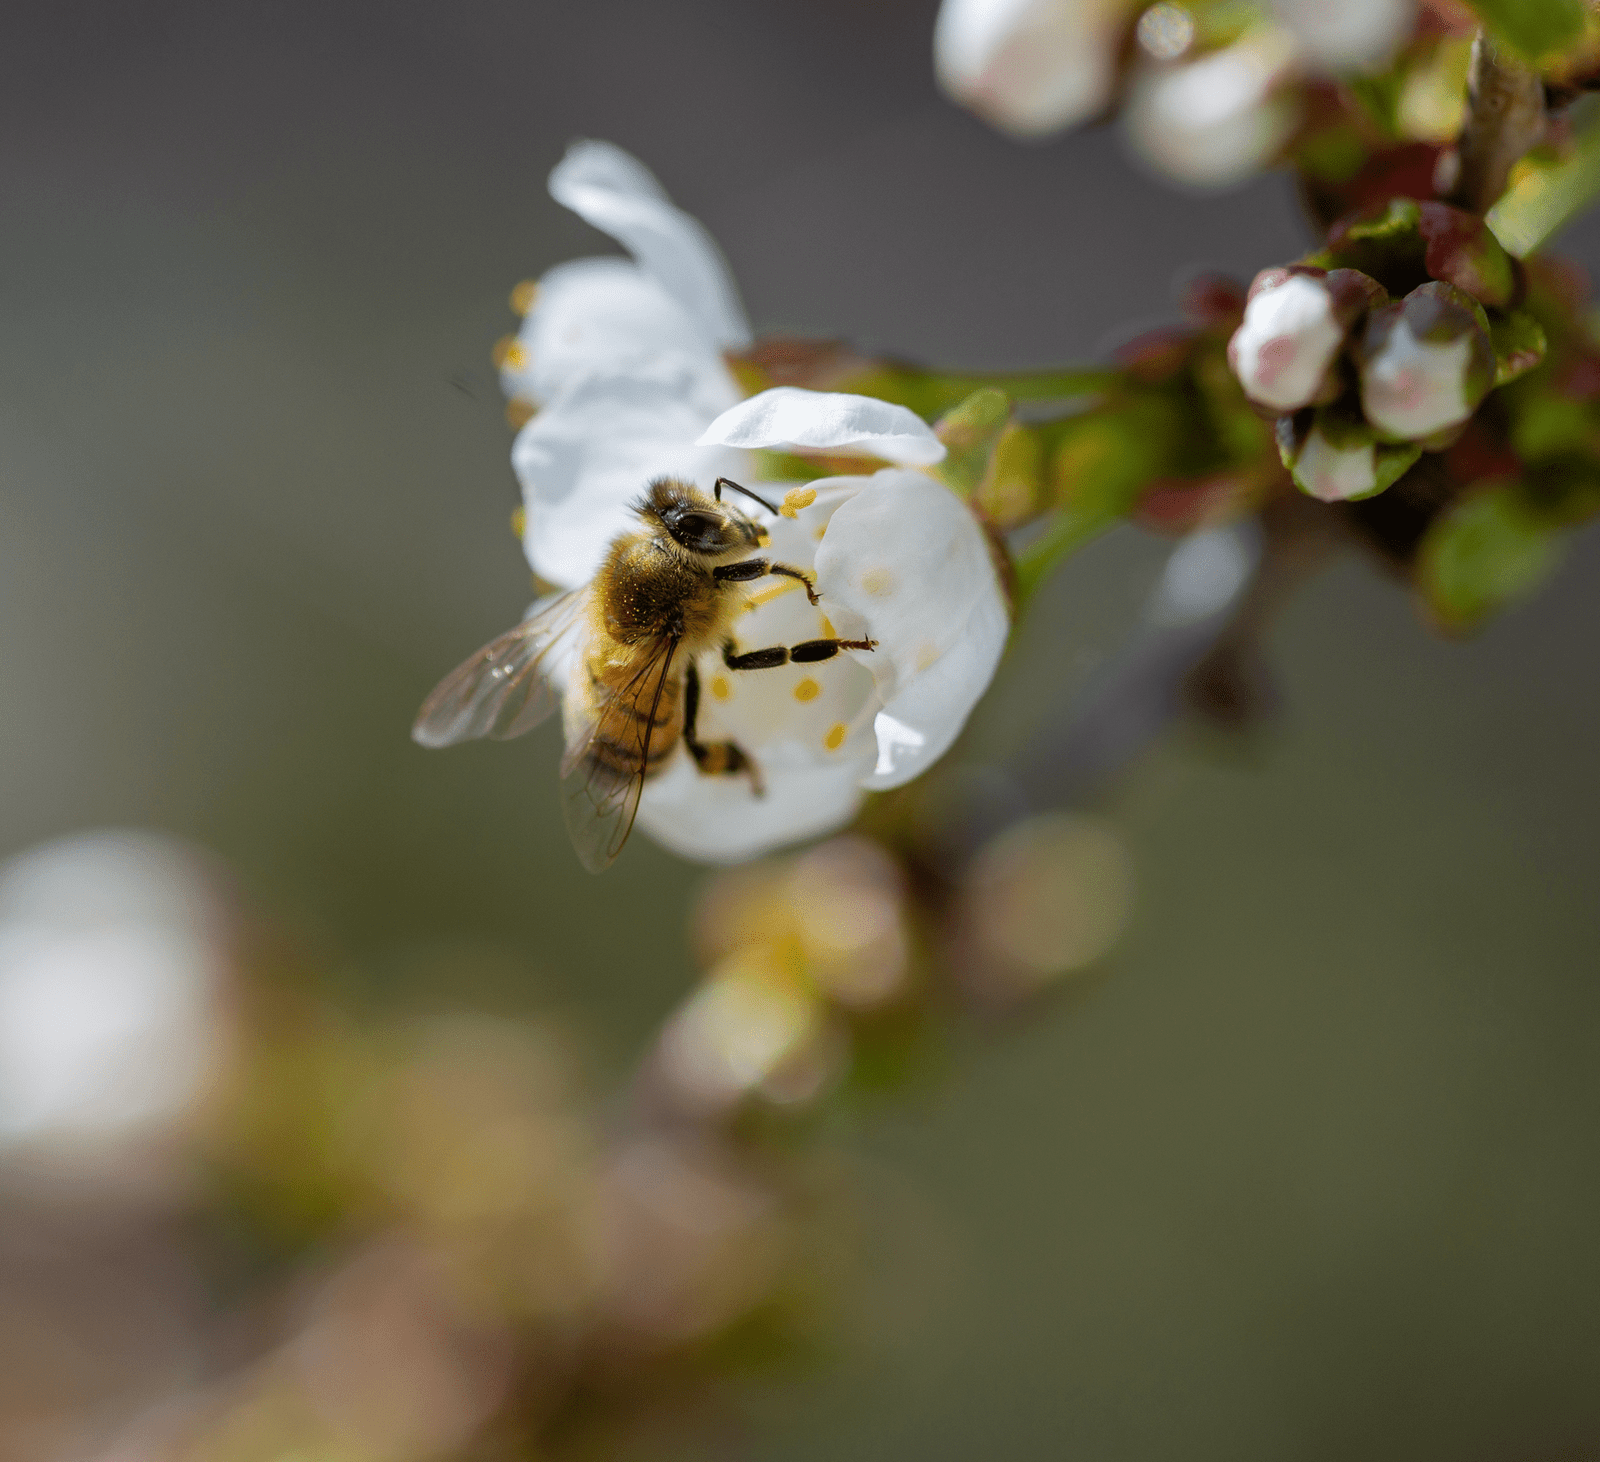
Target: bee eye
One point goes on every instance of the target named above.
(696, 530)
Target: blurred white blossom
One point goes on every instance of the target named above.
(112, 963)
(1218, 118)
(1030, 66)
(1206, 117)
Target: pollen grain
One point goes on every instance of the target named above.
(836, 735)
(807, 690)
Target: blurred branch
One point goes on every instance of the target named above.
(1505, 117)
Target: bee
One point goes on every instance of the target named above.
(620, 655)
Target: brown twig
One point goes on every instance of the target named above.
(1505, 117)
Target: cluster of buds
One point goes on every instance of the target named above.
(1211, 91)
(1382, 346)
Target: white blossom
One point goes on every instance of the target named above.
(624, 361)
(112, 961)
(1030, 66)
(1290, 336)
(1216, 119)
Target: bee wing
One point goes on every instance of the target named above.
(506, 688)
(601, 801)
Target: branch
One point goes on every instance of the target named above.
(1505, 117)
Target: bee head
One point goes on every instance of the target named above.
(697, 523)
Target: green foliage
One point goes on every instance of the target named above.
(1534, 27)
(1488, 549)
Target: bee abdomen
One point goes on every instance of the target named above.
(625, 761)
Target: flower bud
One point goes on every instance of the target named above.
(1426, 362)
(1335, 456)
(1294, 325)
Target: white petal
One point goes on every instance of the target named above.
(789, 416)
(585, 458)
(719, 819)
(617, 194)
(606, 315)
(904, 562)
(1031, 66)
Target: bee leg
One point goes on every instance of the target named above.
(758, 568)
(714, 758)
(805, 653)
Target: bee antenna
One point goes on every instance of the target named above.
(723, 482)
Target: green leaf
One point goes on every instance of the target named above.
(971, 432)
(1534, 27)
(1490, 548)
(1544, 197)
(1519, 344)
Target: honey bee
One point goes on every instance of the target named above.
(627, 643)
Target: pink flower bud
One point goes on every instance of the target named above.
(1426, 362)
(1294, 326)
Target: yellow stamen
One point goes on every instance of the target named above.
(807, 690)
(795, 499)
(836, 735)
(766, 596)
(828, 631)
(519, 521)
(523, 296)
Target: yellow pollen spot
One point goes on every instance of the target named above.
(766, 596)
(519, 413)
(877, 582)
(720, 687)
(807, 690)
(828, 631)
(795, 499)
(820, 533)
(523, 296)
(836, 735)
(519, 521)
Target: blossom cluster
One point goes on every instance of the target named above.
(1364, 382)
(1210, 92)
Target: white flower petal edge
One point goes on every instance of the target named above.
(615, 192)
(790, 416)
(905, 563)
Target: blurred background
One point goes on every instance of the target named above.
(1307, 1167)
